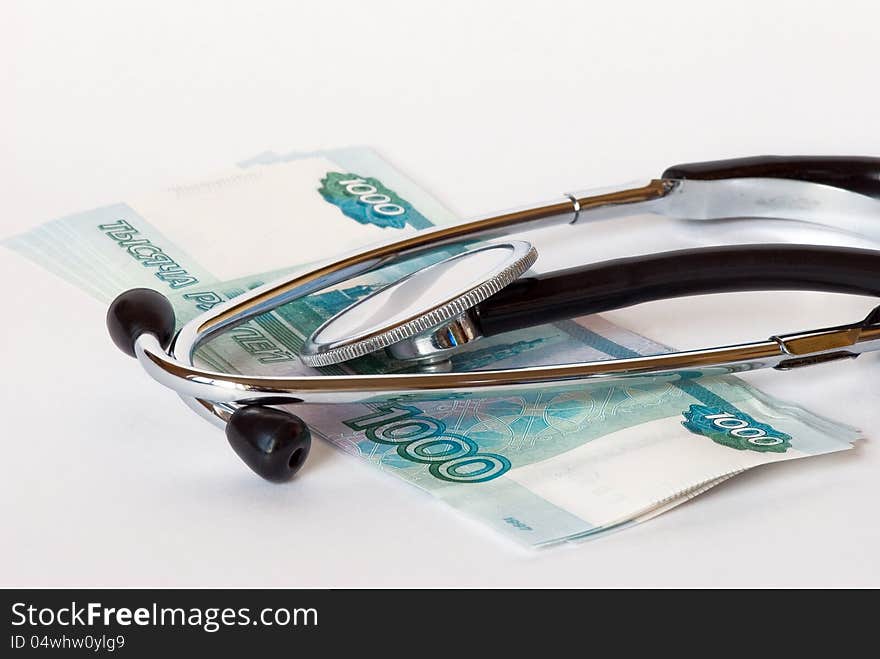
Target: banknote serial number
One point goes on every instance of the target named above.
(425, 440)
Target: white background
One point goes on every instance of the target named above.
(105, 479)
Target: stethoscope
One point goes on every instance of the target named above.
(481, 291)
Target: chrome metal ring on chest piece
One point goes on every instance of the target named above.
(424, 315)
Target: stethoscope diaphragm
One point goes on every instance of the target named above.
(424, 315)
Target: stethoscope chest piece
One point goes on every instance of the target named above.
(423, 316)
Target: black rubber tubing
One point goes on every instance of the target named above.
(625, 282)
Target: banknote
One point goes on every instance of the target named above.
(542, 467)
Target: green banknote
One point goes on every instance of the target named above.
(542, 467)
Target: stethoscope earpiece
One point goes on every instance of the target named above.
(272, 442)
(140, 311)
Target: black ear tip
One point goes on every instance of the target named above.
(137, 311)
(272, 442)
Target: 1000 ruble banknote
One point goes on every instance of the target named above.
(541, 467)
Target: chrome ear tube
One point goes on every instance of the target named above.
(486, 290)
